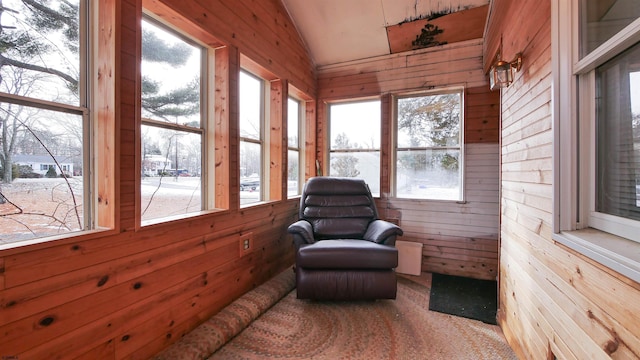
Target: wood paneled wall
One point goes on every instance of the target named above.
(553, 301)
(459, 238)
(128, 292)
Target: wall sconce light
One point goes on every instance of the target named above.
(501, 72)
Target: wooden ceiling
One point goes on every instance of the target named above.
(337, 31)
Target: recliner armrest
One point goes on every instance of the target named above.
(302, 232)
(382, 232)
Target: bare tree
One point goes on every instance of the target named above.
(344, 164)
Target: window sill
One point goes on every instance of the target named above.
(617, 253)
(174, 218)
(257, 203)
(51, 241)
(418, 200)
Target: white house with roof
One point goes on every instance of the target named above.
(40, 164)
(153, 165)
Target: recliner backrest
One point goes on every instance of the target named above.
(337, 208)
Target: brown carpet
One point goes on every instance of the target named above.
(230, 321)
(385, 329)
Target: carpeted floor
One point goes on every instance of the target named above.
(385, 329)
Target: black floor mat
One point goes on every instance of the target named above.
(465, 297)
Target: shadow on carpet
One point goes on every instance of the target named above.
(465, 297)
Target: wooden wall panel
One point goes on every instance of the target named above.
(459, 239)
(260, 30)
(130, 291)
(482, 114)
(277, 140)
(221, 128)
(310, 139)
(128, 94)
(456, 26)
(457, 64)
(553, 301)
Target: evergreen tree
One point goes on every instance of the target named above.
(23, 54)
(51, 173)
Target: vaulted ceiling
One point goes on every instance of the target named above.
(337, 31)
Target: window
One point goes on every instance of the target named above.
(617, 135)
(600, 22)
(294, 128)
(252, 95)
(46, 120)
(609, 116)
(429, 146)
(597, 110)
(355, 141)
(173, 123)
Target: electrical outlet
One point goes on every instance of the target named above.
(246, 243)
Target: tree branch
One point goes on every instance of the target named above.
(7, 61)
(75, 204)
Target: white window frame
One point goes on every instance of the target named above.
(96, 217)
(609, 240)
(346, 151)
(300, 148)
(461, 146)
(263, 141)
(207, 73)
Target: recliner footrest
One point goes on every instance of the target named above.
(345, 284)
(347, 254)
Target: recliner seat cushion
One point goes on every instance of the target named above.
(347, 254)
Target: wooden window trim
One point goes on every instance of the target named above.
(306, 138)
(307, 133)
(216, 105)
(105, 123)
(273, 142)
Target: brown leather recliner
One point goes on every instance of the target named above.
(343, 250)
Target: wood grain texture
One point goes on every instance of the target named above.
(553, 301)
(459, 238)
(221, 128)
(130, 291)
(457, 26)
(277, 140)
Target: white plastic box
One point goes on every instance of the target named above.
(409, 257)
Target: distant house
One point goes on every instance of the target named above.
(154, 165)
(40, 164)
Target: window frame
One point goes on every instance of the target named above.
(96, 107)
(263, 137)
(207, 202)
(461, 145)
(609, 240)
(300, 148)
(346, 151)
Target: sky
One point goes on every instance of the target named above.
(634, 79)
(363, 116)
